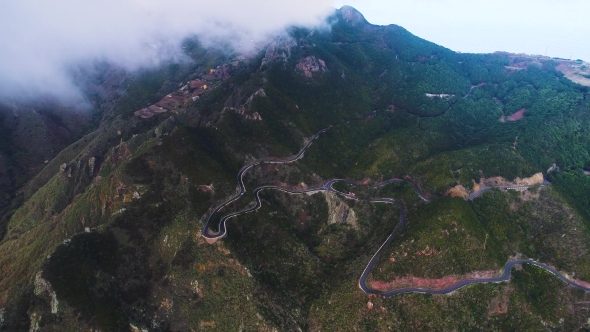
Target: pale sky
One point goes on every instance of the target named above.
(558, 28)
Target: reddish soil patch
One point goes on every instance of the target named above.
(144, 113)
(429, 283)
(499, 305)
(582, 283)
(219, 73)
(517, 116)
(121, 153)
(457, 191)
(170, 102)
(564, 68)
(206, 189)
(197, 84)
(156, 109)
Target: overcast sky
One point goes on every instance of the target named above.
(560, 28)
(40, 39)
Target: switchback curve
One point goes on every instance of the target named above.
(369, 267)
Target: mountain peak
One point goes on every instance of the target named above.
(351, 15)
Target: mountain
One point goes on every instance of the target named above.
(340, 135)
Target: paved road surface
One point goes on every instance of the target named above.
(367, 271)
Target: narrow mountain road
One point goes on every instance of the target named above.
(505, 277)
(328, 186)
(483, 190)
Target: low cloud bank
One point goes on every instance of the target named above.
(42, 40)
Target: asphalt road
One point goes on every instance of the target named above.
(483, 190)
(222, 232)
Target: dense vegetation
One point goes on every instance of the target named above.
(135, 254)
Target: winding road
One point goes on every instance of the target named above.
(328, 186)
(484, 189)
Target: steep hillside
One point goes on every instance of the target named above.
(110, 234)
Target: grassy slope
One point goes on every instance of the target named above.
(303, 270)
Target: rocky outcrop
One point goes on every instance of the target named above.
(42, 287)
(439, 95)
(352, 16)
(255, 116)
(496, 181)
(553, 168)
(310, 65)
(278, 50)
(260, 93)
(120, 153)
(243, 110)
(500, 181)
(91, 164)
(339, 211)
(458, 191)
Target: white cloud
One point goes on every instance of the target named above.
(39, 39)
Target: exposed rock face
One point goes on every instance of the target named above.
(458, 191)
(280, 49)
(553, 168)
(91, 163)
(440, 95)
(136, 329)
(260, 93)
(208, 189)
(530, 181)
(310, 65)
(339, 211)
(352, 16)
(120, 154)
(255, 116)
(242, 110)
(43, 286)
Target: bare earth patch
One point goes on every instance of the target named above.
(477, 186)
(458, 191)
(310, 65)
(500, 181)
(518, 115)
(430, 283)
(499, 305)
(577, 73)
(582, 283)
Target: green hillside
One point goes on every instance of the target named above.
(109, 233)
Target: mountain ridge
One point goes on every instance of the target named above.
(109, 233)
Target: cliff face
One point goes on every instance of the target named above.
(310, 65)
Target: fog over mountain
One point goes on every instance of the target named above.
(41, 40)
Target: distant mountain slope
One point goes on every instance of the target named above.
(109, 232)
